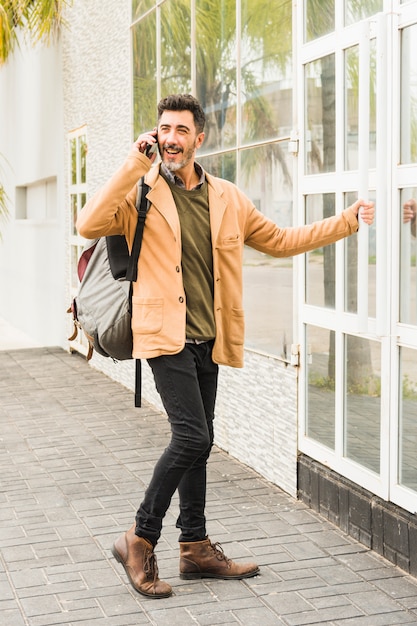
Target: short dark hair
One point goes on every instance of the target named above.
(184, 102)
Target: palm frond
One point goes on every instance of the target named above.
(39, 20)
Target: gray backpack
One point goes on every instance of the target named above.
(102, 308)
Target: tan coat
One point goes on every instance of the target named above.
(159, 303)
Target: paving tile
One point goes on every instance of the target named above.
(75, 458)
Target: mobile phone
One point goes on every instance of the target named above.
(151, 148)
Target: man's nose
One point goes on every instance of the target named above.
(171, 137)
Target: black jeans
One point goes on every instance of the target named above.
(187, 384)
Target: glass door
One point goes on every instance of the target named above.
(343, 84)
(357, 94)
(404, 314)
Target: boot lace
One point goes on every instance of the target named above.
(150, 566)
(219, 552)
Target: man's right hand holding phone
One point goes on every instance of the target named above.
(147, 143)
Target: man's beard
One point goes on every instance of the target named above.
(186, 158)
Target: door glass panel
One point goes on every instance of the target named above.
(320, 263)
(320, 410)
(351, 265)
(216, 71)
(407, 416)
(319, 18)
(266, 72)
(362, 401)
(408, 97)
(408, 256)
(352, 109)
(320, 134)
(358, 10)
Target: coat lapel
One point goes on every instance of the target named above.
(161, 197)
(217, 206)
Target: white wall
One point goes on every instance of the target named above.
(32, 252)
(97, 86)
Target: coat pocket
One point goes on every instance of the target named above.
(236, 327)
(147, 315)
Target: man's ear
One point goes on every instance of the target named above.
(199, 140)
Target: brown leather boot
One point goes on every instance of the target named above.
(203, 559)
(139, 560)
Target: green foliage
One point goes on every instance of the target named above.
(265, 40)
(371, 386)
(39, 20)
(409, 389)
(325, 383)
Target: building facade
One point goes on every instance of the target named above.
(309, 104)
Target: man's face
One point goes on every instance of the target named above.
(178, 139)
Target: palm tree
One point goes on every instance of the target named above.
(37, 21)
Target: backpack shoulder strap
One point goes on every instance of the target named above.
(142, 206)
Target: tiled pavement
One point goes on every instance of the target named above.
(75, 456)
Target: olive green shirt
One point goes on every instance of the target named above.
(197, 258)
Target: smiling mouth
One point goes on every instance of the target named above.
(172, 151)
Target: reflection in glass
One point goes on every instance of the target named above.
(175, 47)
(320, 263)
(74, 213)
(408, 256)
(409, 94)
(83, 158)
(358, 10)
(268, 281)
(139, 7)
(216, 71)
(319, 18)
(352, 110)
(362, 401)
(144, 74)
(73, 148)
(320, 410)
(351, 264)
(321, 115)
(351, 107)
(221, 165)
(266, 74)
(407, 469)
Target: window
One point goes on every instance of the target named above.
(77, 142)
(242, 75)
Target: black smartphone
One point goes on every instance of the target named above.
(151, 148)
